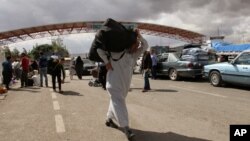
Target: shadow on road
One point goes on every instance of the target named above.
(155, 90)
(156, 136)
(162, 90)
(27, 89)
(76, 79)
(239, 87)
(195, 80)
(72, 93)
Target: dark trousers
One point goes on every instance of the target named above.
(6, 79)
(146, 81)
(24, 78)
(59, 81)
(153, 71)
(102, 76)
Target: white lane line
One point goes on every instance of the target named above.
(60, 128)
(53, 95)
(56, 105)
(197, 91)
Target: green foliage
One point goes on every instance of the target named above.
(48, 50)
(7, 51)
(15, 53)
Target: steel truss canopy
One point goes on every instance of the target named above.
(30, 33)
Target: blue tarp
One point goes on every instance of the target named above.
(226, 47)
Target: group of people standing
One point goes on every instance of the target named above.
(26, 67)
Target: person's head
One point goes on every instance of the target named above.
(78, 58)
(62, 60)
(23, 54)
(145, 53)
(152, 51)
(8, 58)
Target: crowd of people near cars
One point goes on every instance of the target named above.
(31, 72)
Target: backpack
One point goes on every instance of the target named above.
(112, 37)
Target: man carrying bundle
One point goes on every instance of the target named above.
(119, 49)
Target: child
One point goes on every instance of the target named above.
(35, 78)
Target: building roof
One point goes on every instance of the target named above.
(30, 33)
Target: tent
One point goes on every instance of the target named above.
(227, 47)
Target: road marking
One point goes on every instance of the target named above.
(53, 95)
(60, 128)
(56, 105)
(197, 91)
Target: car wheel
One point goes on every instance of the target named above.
(90, 84)
(96, 85)
(215, 78)
(173, 74)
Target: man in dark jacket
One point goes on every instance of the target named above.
(56, 73)
(43, 62)
(7, 72)
(146, 66)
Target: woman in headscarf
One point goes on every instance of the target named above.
(79, 67)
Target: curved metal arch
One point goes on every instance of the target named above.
(13, 36)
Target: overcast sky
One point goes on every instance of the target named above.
(231, 17)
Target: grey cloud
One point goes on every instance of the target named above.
(203, 14)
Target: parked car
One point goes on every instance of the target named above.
(236, 71)
(187, 65)
(88, 66)
(67, 61)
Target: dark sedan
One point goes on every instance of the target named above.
(188, 65)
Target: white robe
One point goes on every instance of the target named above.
(118, 82)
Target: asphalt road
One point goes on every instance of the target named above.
(172, 111)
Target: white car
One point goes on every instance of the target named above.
(236, 71)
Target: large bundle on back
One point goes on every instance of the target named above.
(112, 37)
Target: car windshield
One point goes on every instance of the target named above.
(244, 58)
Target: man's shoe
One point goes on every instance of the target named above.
(129, 134)
(111, 124)
(144, 90)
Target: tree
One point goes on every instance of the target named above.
(6, 51)
(48, 49)
(15, 53)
